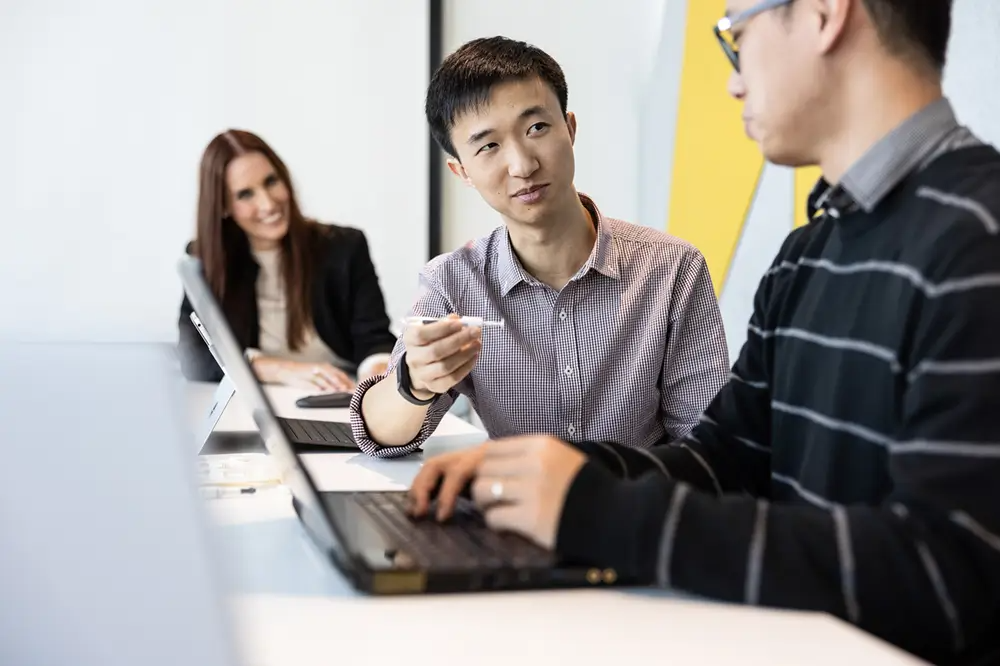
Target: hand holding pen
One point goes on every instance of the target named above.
(441, 353)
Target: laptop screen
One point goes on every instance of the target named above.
(220, 338)
(106, 558)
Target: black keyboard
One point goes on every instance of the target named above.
(463, 542)
(317, 432)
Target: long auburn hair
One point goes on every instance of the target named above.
(224, 248)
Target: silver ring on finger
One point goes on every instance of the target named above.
(496, 491)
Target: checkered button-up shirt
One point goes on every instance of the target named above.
(631, 350)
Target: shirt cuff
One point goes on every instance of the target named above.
(366, 365)
(614, 523)
(364, 439)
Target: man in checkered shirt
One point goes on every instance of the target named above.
(612, 331)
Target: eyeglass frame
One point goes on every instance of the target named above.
(727, 23)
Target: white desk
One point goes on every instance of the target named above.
(292, 607)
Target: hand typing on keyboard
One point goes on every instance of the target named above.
(519, 483)
(442, 480)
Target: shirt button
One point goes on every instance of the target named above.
(570, 429)
(568, 371)
(562, 314)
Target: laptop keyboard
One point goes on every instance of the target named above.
(462, 542)
(300, 430)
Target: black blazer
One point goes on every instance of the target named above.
(347, 306)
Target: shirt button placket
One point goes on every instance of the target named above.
(564, 338)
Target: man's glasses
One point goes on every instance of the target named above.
(724, 28)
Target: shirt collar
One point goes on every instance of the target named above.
(888, 162)
(603, 257)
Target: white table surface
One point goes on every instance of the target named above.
(290, 606)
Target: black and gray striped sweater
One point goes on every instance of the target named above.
(852, 463)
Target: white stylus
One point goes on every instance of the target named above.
(466, 321)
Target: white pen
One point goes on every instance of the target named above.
(220, 492)
(466, 321)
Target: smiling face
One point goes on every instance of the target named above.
(781, 80)
(258, 200)
(517, 151)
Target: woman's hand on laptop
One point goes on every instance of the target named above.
(313, 376)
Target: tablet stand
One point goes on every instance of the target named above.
(220, 400)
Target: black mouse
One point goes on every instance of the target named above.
(325, 400)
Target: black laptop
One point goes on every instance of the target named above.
(369, 536)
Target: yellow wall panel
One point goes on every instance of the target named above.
(805, 179)
(715, 167)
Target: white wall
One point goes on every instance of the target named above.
(606, 52)
(973, 66)
(107, 106)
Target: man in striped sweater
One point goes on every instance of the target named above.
(852, 463)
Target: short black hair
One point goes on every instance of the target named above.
(465, 79)
(913, 27)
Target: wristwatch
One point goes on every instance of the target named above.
(403, 384)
